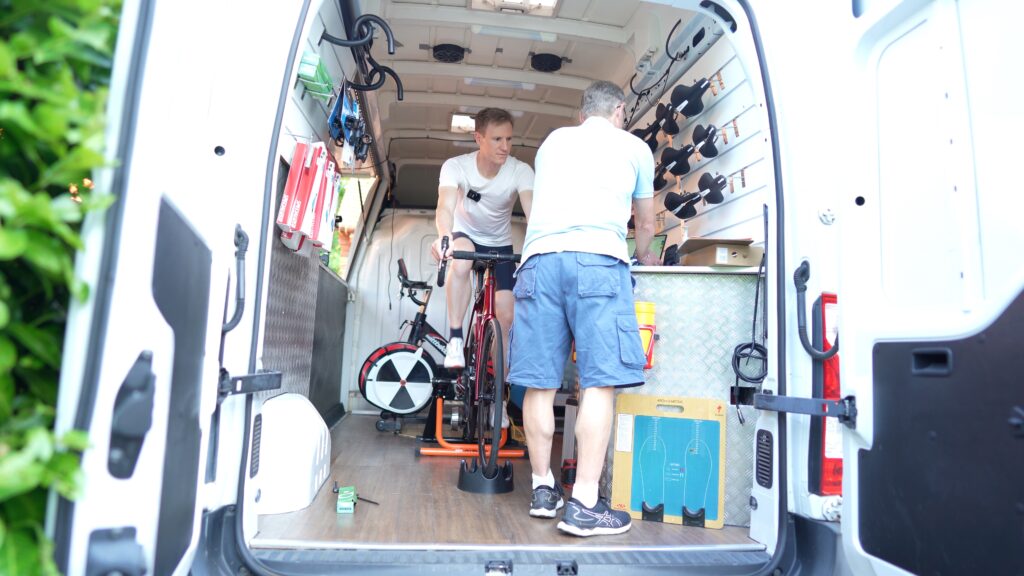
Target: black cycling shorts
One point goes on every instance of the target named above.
(503, 271)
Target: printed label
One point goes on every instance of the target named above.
(624, 433)
(722, 255)
(833, 438)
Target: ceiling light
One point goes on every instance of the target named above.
(518, 33)
(498, 83)
(463, 124)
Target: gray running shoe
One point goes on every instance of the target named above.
(579, 520)
(546, 501)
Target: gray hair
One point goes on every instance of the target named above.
(601, 98)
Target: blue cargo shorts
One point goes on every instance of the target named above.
(565, 295)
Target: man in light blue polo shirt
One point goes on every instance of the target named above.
(574, 283)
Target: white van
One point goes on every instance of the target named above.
(869, 139)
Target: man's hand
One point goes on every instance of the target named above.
(435, 250)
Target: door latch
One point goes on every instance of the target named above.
(247, 384)
(844, 409)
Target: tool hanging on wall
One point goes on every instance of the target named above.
(348, 128)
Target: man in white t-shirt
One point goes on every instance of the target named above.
(475, 196)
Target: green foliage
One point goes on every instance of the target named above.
(55, 64)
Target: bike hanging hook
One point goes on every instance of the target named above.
(800, 278)
(362, 26)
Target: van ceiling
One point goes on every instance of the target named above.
(596, 39)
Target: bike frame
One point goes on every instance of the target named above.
(483, 311)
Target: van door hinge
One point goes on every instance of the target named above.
(844, 409)
(247, 384)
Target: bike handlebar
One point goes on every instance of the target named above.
(485, 256)
(442, 266)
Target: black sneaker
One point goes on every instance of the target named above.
(601, 519)
(546, 501)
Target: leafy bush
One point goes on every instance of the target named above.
(55, 61)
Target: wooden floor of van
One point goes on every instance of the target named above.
(421, 507)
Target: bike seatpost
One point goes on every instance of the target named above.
(442, 267)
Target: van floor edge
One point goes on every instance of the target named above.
(327, 561)
(421, 508)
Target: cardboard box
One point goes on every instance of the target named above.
(669, 459)
(720, 252)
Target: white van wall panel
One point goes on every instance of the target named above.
(923, 194)
(990, 87)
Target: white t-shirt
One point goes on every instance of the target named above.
(486, 221)
(587, 178)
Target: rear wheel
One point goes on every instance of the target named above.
(398, 378)
(490, 370)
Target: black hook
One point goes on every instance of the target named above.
(362, 25)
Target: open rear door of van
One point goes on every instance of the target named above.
(932, 290)
(145, 365)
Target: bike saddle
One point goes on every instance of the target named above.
(678, 162)
(659, 178)
(667, 116)
(684, 205)
(649, 135)
(687, 99)
(704, 140)
(711, 187)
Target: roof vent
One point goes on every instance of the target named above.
(449, 53)
(545, 62)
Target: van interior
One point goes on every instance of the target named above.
(694, 94)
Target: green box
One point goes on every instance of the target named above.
(346, 500)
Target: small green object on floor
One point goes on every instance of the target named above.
(346, 500)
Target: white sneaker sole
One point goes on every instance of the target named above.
(544, 513)
(454, 365)
(599, 531)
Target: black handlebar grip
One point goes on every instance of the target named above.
(442, 267)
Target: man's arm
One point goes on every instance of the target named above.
(526, 199)
(643, 220)
(444, 217)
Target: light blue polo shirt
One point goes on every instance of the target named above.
(586, 178)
